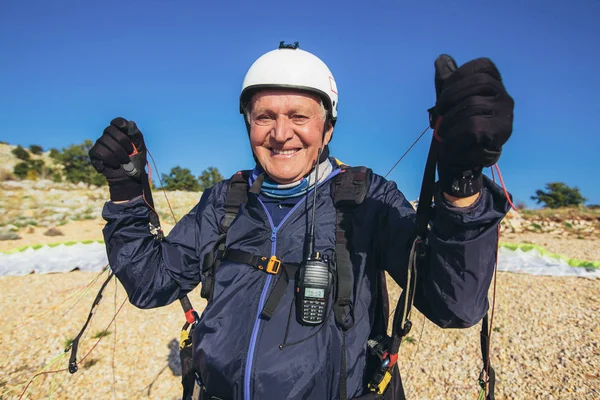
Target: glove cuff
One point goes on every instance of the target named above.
(460, 182)
(124, 190)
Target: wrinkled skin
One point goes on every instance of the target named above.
(291, 122)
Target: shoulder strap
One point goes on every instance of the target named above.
(236, 196)
(349, 190)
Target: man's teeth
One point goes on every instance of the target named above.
(284, 152)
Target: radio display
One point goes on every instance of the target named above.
(311, 292)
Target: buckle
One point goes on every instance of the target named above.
(381, 386)
(269, 265)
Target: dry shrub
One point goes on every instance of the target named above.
(32, 175)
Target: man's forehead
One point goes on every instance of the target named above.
(280, 97)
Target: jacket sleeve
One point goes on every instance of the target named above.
(453, 283)
(155, 273)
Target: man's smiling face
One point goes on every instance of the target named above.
(286, 132)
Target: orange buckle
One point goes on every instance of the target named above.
(272, 266)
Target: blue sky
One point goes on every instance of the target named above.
(176, 68)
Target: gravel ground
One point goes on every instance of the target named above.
(544, 344)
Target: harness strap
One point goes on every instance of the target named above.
(237, 195)
(210, 264)
(349, 191)
(279, 290)
(344, 373)
(269, 265)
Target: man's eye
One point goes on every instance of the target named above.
(299, 117)
(262, 118)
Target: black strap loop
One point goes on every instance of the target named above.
(487, 372)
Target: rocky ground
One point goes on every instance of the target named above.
(545, 343)
(545, 337)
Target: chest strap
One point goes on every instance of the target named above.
(270, 265)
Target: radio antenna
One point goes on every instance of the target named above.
(311, 239)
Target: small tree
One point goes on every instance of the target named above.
(35, 149)
(209, 177)
(558, 195)
(180, 179)
(21, 170)
(21, 153)
(76, 162)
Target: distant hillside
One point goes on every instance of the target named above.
(580, 222)
(8, 161)
(30, 204)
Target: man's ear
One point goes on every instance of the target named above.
(328, 133)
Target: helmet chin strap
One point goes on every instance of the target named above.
(325, 149)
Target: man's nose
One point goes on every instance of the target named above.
(283, 130)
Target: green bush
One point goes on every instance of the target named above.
(36, 165)
(559, 195)
(21, 170)
(21, 153)
(35, 149)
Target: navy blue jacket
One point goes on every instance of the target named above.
(237, 352)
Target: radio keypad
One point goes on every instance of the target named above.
(313, 310)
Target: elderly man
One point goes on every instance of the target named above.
(294, 281)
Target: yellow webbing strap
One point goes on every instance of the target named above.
(380, 389)
(183, 339)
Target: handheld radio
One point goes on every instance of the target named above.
(315, 278)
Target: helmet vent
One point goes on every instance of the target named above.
(294, 46)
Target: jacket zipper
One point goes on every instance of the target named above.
(265, 290)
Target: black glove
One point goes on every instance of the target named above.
(476, 120)
(120, 155)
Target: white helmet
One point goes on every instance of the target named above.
(290, 67)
